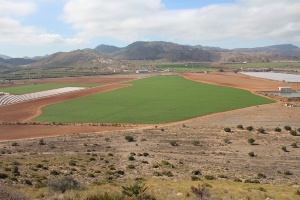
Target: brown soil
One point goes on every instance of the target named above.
(237, 81)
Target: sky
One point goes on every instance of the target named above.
(40, 27)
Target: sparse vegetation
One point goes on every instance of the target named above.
(201, 193)
(64, 183)
(195, 142)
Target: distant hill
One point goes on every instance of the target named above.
(20, 61)
(106, 49)
(4, 57)
(81, 59)
(163, 51)
(5, 66)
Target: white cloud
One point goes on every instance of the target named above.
(131, 20)
(13, 32)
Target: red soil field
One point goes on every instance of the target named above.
(237, 81)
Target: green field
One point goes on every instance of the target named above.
(25, 89)
(187, 67)
(157, 99)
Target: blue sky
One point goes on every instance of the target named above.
(39, 27)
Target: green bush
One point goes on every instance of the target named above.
(237, 180)
(277, 129)
(54, 172)
(287, 128)
(195, 178)
(130, 166)
(14, 144)
(251, 141)
(138, 191)
(131, 158)
(240, 126)
(64, 183)
(294, 145)
(251, 154)
(284, 149)
(3, 176)
(293, 133)
(167, 173)
(252, 181)
(209, 177)
(261, 175)
(174, 143)
(287, 172)
(195, 142)
(249, 128)
(261, 130)
(129, 138)
(227, 129)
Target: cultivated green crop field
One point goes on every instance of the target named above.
(158, 99)
(25, 89)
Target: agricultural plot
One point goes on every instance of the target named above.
(261, 65)
(25, 89)
(158, 99)
(187, 67)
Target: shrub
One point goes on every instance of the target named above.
(249, 128)
(277, 129)
(54, 172)
(227, 129)
(195, 178)
(287, 172)
(105, 196)
(130, 166)
(284, 149)
(42, 142)
(145, 154)
(174, 143)
(293, 133)
(287, 128)
(252, 181)
(6, 193)
(167, 173)
(261, 130)
(197, 172)
(72, 163)
(262, 189)
(209, 177)
(240, 126)
(195, 142)
(298, 192)
(129, 138)
(200, 192)
(251, 141)
(15, 171)
(294, 145)
(92, 159)
(131, 158)
(251, 154)
(261, 175)
(3, 176)
(64, 183)
(298, 130)
(237, 180)
(137, 190)
(14, 144)
(227, 140)
(222, 176)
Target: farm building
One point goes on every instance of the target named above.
(140, 71)
(285, 89)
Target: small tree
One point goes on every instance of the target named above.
(251, 141)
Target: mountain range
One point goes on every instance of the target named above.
(107, 57)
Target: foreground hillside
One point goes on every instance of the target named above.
(169, 159)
